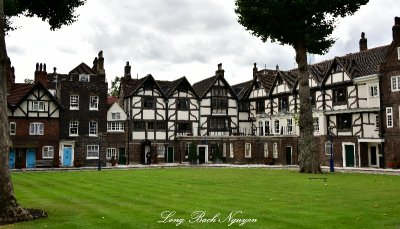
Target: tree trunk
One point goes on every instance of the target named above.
(10, 211)
(309, 161)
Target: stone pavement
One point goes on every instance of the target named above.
(187, 165)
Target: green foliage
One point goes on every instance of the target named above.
(193, 153)
(292, 21)
(277, 198)
(114, 90)
(56, 12)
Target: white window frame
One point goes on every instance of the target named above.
(247, 150)
(289, 122)
(265, 150)
(112, 152)
(395, 83)
(275, 150)
(74, 102)
(13, 128)
(231, 155)
(84, 78)
(91, 151)
(187, 148)
(74, 124)
(373, 91)
(94, 103)
(276, 126)
(316, 124)
(160, 151)
(93, 127)
(36, 128)
(115, 127)
(47, 152)
(116, 115)
(389, 117)
(38, 106)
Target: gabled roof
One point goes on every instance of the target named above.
(242, 89)
(130, 86)
(82, 69)
(204, 86)
(169, 87)
(290, 77)
(111, 100)
(267, 78)
(19, 92)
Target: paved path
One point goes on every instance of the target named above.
(185, 165)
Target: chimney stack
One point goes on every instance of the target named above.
(127, 72)
(396, 29)
(100, 64)
(255, 70)
(220, 70)
(41, 74)
(363, 42)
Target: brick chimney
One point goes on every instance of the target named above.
(127, 71)
(363, 42)
(100, 64)
(220, 71)
(10, 75)
(41, 74)
(396, 29)
(255, 70)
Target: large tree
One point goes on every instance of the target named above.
(56, 13)
(306, 25)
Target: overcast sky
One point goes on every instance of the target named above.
(175, 38)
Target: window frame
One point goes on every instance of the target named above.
(161, 151)
(38, 106)
(247, 150)
(316, 124)
(74, 102)
(266, 150)
(373, 90)
(84, 78)
(112, 152)
(93, 128)
(260, 106)
(73, 124)
(183, 104)
(115, 126)
(389, 122)
(149, 102)
(337, 98)
(36, 128)
(94, 103)
(216, 124)
(116, 115)
(275, 150)
(276, 127)
(13, 128)
(395, 83)
(48, 150)
(283, 103)
(94, 149)
(342, 119)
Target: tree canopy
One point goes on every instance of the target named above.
(291, 21)
(56, 12)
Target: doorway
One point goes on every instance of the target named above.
(203, 154)
(348, 155)
(170, 154)
(288, 155)
(30, 158)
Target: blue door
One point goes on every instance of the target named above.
(31, 158)
(67, 156)
(11, 157)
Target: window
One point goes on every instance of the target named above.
(92, 152)
(267, 130)
(13, 128)
(344, 121)
(279, 81)
(244, 106)
(218, 91)
(231, 150)
(247, 150)
(219, 124)
(150, 125)
(224, 150)
(283, 104)
(38, 106)
(373, 90)
(265, 150)
(74, 102)
(94, 103)
(377, 122)
(187, 146)
(84, 78)
(36, 128)
(275, 150)
(160, 151)
(116, 115)
(396, 83)
(260, 128)
(47, 152)
(260, 106)
(160, 125)
(276, 126)
(92, 128)
(115, 126)
(149, 103)
(316, 124)
(339, 96)
(139, 125)
(183, 127)
(289, 126)
(313, 99)
(219, 103)
(182, 104)
(112, 152)
(389, 117)
(73, 128)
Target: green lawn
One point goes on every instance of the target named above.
(275, 198)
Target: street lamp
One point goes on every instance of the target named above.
(99, 161)
(331, 166)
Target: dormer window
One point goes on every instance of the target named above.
(84, 78)
(38, 106)
(115, 115)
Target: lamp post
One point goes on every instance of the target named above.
(331, 166)
(129, 137)
(99, 161)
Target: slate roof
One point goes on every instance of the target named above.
(129, 86)
(202, 86)
(82, 69)
(241, 89)
(267, 78)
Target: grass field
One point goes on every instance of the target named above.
(140, 198)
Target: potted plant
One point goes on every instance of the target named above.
(193, 153)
